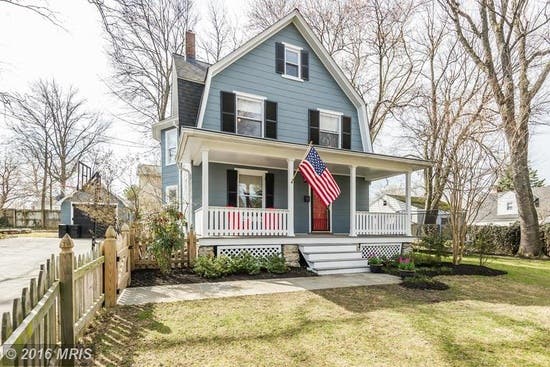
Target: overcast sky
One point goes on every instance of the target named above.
(31, 48)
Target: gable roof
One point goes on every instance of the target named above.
(296, 18)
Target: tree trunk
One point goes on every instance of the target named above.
(530, 245)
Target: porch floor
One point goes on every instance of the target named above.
(187, 292)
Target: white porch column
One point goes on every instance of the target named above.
(408, 230)
(352, 199)
(290, 196)
(204, 155)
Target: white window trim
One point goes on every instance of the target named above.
(251, 172)
(255, 98)
(299, 51)
(166, 196)
(332, 113)
(167, 148)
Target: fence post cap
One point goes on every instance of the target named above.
(125, 228)
(66, 243)
(110, 233)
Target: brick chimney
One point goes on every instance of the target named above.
(190, 45)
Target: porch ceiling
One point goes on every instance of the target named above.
(250, 151)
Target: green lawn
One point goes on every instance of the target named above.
(479, 321)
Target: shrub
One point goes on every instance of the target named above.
(502, 240)
(376, 260)
(244, 263)
(423, 282)
(405, 263)
(168, 235)
(483, 246)
(211, 267)
(425, 259)
(435, 243)
(275, 264)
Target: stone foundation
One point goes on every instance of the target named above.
(406, 248)
(206, 251)
(291, 253)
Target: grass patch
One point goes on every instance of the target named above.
(478, 321)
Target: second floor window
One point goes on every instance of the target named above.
(171, 146)
(329, 130)
(249, 116)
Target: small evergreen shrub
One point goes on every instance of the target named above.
(244, 263)
(274, 264)
(211, 267)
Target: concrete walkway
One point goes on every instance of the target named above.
(187, 292)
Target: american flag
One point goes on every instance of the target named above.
(317, 175)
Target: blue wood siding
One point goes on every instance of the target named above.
(169, 173)
(65, 212)
(255, 73)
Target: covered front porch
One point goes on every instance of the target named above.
(285, 206)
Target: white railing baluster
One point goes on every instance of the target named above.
(370, 223)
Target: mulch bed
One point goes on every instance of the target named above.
(424, 283)
(150, 277)
(461, 269)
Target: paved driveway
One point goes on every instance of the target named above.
(20, 260)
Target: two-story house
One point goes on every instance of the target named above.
(237, 132)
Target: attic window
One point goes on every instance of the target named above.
(509, 205)
(385, 202)
(292, 61)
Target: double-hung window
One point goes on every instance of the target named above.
(249, 115)
(171, 137)
(251, 190)
(292, 61)
(171, 194)
(329, 129)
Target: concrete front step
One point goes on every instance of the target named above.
(342, 271)
(333, 256)
(343, 264)
(316, 249)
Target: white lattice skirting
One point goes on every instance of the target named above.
(386, 250)
(254, 250)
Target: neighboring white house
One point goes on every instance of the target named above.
(501, 209)
(387, 203)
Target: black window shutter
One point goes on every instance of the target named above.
(271, 119)
(305, 64)
(346, 132)
(314, 126)
(232, 177)
(228, 111)
(279, 58)
(269, 190)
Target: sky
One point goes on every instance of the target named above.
(32, 48)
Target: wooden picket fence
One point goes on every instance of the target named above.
(143, 259)
(53, 312)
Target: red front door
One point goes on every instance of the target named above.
(320, 214)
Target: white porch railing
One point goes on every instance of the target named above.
(370, 223)
(230, 221)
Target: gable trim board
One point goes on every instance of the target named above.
(328, 62)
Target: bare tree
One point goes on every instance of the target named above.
(38, 7)
(509, 43)
(221, 36)
(10, 179)
(65, 129)
(369, 39)
(474, 170)
(142, 36)
(453, 105)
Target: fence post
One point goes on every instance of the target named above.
(109, 267)
(191, 248)
(128, 244)
(132, 240)
(66, 288)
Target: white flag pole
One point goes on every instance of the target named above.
(305, 155)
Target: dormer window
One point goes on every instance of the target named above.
(509, 205)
